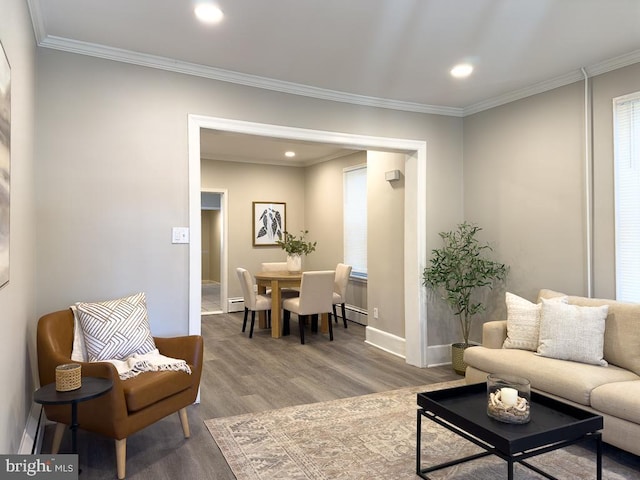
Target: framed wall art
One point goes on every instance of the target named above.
(5, 163)
(268, 222)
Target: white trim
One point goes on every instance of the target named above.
(386, 341)
(439, 355)
(414, 221)
(195, 243)
(163, 63)
(214, 73)
(31, 442)
(224, 252)
(560, 81)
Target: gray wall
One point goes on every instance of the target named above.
(524, 182)
(18, 360)
(112, 174)
(314, 202)
(604, 89)
(246, 183)
(385, 240)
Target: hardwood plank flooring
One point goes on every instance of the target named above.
(243, 375)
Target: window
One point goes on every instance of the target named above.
(626, 139)
(355, 219)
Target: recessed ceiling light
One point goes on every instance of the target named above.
(462, 70)
(290, 154)
(208, 13)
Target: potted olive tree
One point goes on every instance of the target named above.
(296, 247)
(456, 272)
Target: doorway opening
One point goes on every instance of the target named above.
(211, 221)
(415, 251)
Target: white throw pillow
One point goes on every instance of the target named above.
(79, 350)
(572, 332)
(523, 322)
(115, 329)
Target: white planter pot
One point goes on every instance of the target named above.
(294, 263)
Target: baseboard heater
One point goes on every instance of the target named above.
(355, 314)
(235, 304)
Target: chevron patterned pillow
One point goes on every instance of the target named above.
(115, 329)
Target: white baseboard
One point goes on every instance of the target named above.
(31, 442)
(438, 355)
(235, 304)
(385, 341)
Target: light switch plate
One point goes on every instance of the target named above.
(180, 235)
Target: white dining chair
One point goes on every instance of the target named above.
(253, 301)
(274, 266)
(316, 297)
(340, 290)
(287, 292)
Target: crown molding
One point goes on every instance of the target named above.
(572, 77)
(163, 63)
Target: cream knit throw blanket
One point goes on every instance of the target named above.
(152, 361)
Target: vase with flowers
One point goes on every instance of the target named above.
(296, 247)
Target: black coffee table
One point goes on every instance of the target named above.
(553, 425)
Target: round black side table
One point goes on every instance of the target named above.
(92, 387)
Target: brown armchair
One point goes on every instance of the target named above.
(132, 404)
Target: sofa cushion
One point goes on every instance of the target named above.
(150, 387)
(571, 380)
(115, 329)
(572, 332)
(622, 329)
(619, 399)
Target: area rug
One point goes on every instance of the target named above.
(372, 436)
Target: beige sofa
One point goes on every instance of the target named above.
(612, 391)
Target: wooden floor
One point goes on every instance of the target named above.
(243, 375)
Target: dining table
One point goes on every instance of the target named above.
(277, 280)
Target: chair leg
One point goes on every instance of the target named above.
(301, 320)
(344, 314)
(57, 437)
(244, 324)
(184, 421)
(268, 318)
(330, 330)
(314, 323)
(335, 314)
(253, 321)
(286, 317)
(121, 458)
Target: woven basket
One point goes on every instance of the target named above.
(68, 377)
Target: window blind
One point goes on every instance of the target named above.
(355, 219)
(626, 139)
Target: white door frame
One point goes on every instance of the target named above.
(224, 257)
(415, 305)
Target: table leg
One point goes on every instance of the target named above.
(599, 456)
(262, 317)
(510, 469)
(324, 322)
(276, 324)
(418, 440)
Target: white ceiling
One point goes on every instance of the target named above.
(389, 53)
